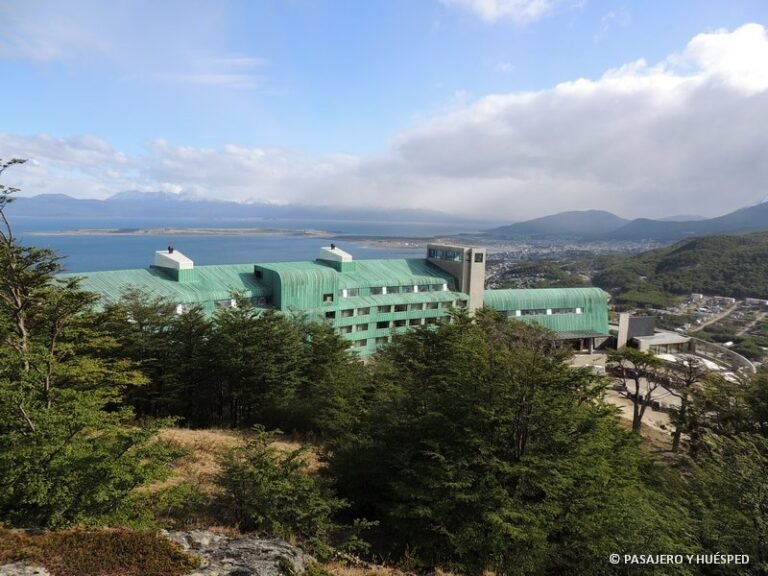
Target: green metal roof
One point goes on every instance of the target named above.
(213, 283)
(367, 273)
(533, 298)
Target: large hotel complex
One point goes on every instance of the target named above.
(366, 301)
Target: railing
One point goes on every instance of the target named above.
(722, 355)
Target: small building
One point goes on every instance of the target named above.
(577, 315)
(663, 343)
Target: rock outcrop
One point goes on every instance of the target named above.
(240, 555)
(219, 556)
(23, 569)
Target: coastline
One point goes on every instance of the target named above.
(172, 231)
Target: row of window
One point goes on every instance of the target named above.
(444, 254)
(416, 306)
(450, 254)
(543, 312)
(397, 324)
(389, 324)
(379, 290)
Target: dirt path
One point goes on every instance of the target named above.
(720, 316)
(752, 324)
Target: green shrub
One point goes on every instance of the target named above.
(270, 492)
(103, 553)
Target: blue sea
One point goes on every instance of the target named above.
(93, 253)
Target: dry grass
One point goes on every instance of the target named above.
(344, 569)
(366, 569)
(200, 465)
(203, 448)
(97, 553)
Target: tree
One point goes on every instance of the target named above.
(641, 367)
(270, 492)
(682, 379)
(172, 351)
(728, 499)
(69, 451)
(480, 449)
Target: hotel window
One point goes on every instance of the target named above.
(361, 343)
(414, 322)
(393, 289)
(345, 329)
(399, 323)
(376, 290)
(361, 327)
(564, 310)
(444, 254)
(347, 313)
(330, 315)
(381, 340)
(407, 289)
(446, 304)
(385, 309)
(479, 257)
(401, 307)
(349, 292)
(435, 287)
(429, 321)
(363, 311)
(418, 306)
(424, 287)
(382, 325)
(327, 297)
(534, 312)
(432, 305)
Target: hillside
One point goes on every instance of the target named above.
(577, 223)
(598, 225)
(724, 265)
(749, 219)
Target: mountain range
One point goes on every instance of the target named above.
(587, 225)
(155, 205)
(596, 225)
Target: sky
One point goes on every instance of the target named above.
(498, 109)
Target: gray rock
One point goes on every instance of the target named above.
(241, 555)
(23, 569)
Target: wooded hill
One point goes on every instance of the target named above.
(724, 265)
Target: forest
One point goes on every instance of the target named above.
(735, 266)
(471, 446)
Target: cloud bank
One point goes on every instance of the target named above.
(684, 135)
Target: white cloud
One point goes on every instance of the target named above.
(680, 136)
(132, 38)
(521, 11)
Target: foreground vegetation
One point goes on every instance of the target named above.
(89, 553)
(471, 446)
